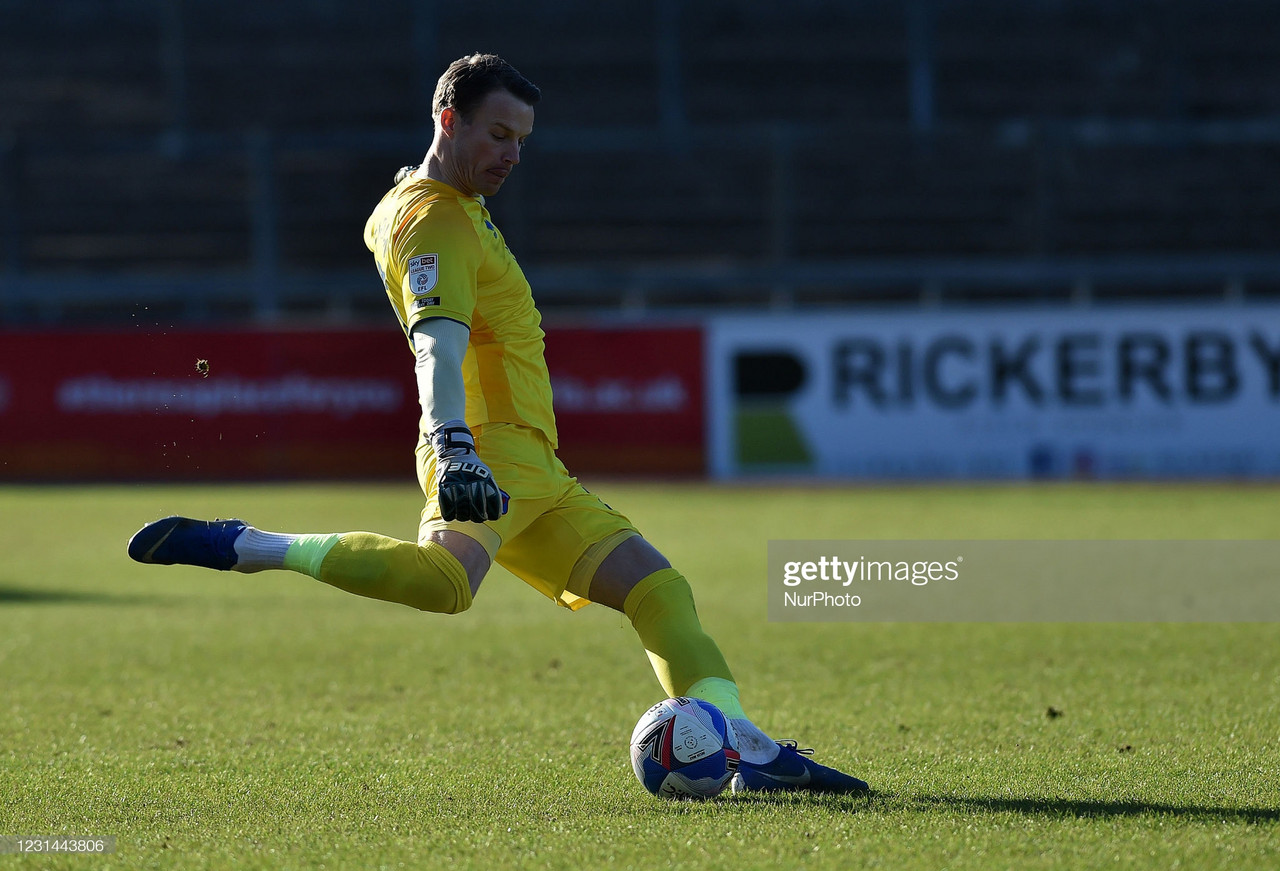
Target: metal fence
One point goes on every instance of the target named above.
(262, 280)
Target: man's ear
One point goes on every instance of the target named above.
(448, 120)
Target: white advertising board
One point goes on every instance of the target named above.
(1151, 392)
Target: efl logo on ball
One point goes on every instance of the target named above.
(684, 748)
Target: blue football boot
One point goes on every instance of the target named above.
(792, 770)
(183, 541)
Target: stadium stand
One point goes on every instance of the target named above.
(248, 138)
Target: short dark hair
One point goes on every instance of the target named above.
(468, 80)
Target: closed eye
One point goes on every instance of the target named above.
(499, 136)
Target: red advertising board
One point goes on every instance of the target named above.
(629, 399)
(97, 405)
(115, 405)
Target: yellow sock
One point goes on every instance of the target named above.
(426, 577)
(721, 693)
(661, 609)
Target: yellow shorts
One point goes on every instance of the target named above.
(554, 535)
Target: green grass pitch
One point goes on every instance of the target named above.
(217, 720)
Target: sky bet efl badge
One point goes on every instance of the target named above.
(422, 273)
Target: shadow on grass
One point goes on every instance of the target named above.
(1043, 807)
(1050, 807)
(21, 596)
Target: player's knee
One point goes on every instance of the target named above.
(457, 608)
(626, 566)
(441, 583)
(461, 603)
(440, 599)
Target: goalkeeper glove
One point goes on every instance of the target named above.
(464, 484)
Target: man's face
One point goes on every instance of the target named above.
(483, 151)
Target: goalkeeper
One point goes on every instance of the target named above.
(495, 490)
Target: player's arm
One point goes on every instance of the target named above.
(467, 490)
(439, 346)
(442, 255)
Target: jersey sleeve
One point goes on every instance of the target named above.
(440, 256)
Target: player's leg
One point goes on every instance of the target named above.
(577, 549)
(639, 581)
(580, 550)
(636, 579)
(440, 574)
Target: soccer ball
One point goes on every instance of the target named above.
(684, 748)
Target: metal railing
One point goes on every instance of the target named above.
(268, 288)
(642, 290)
